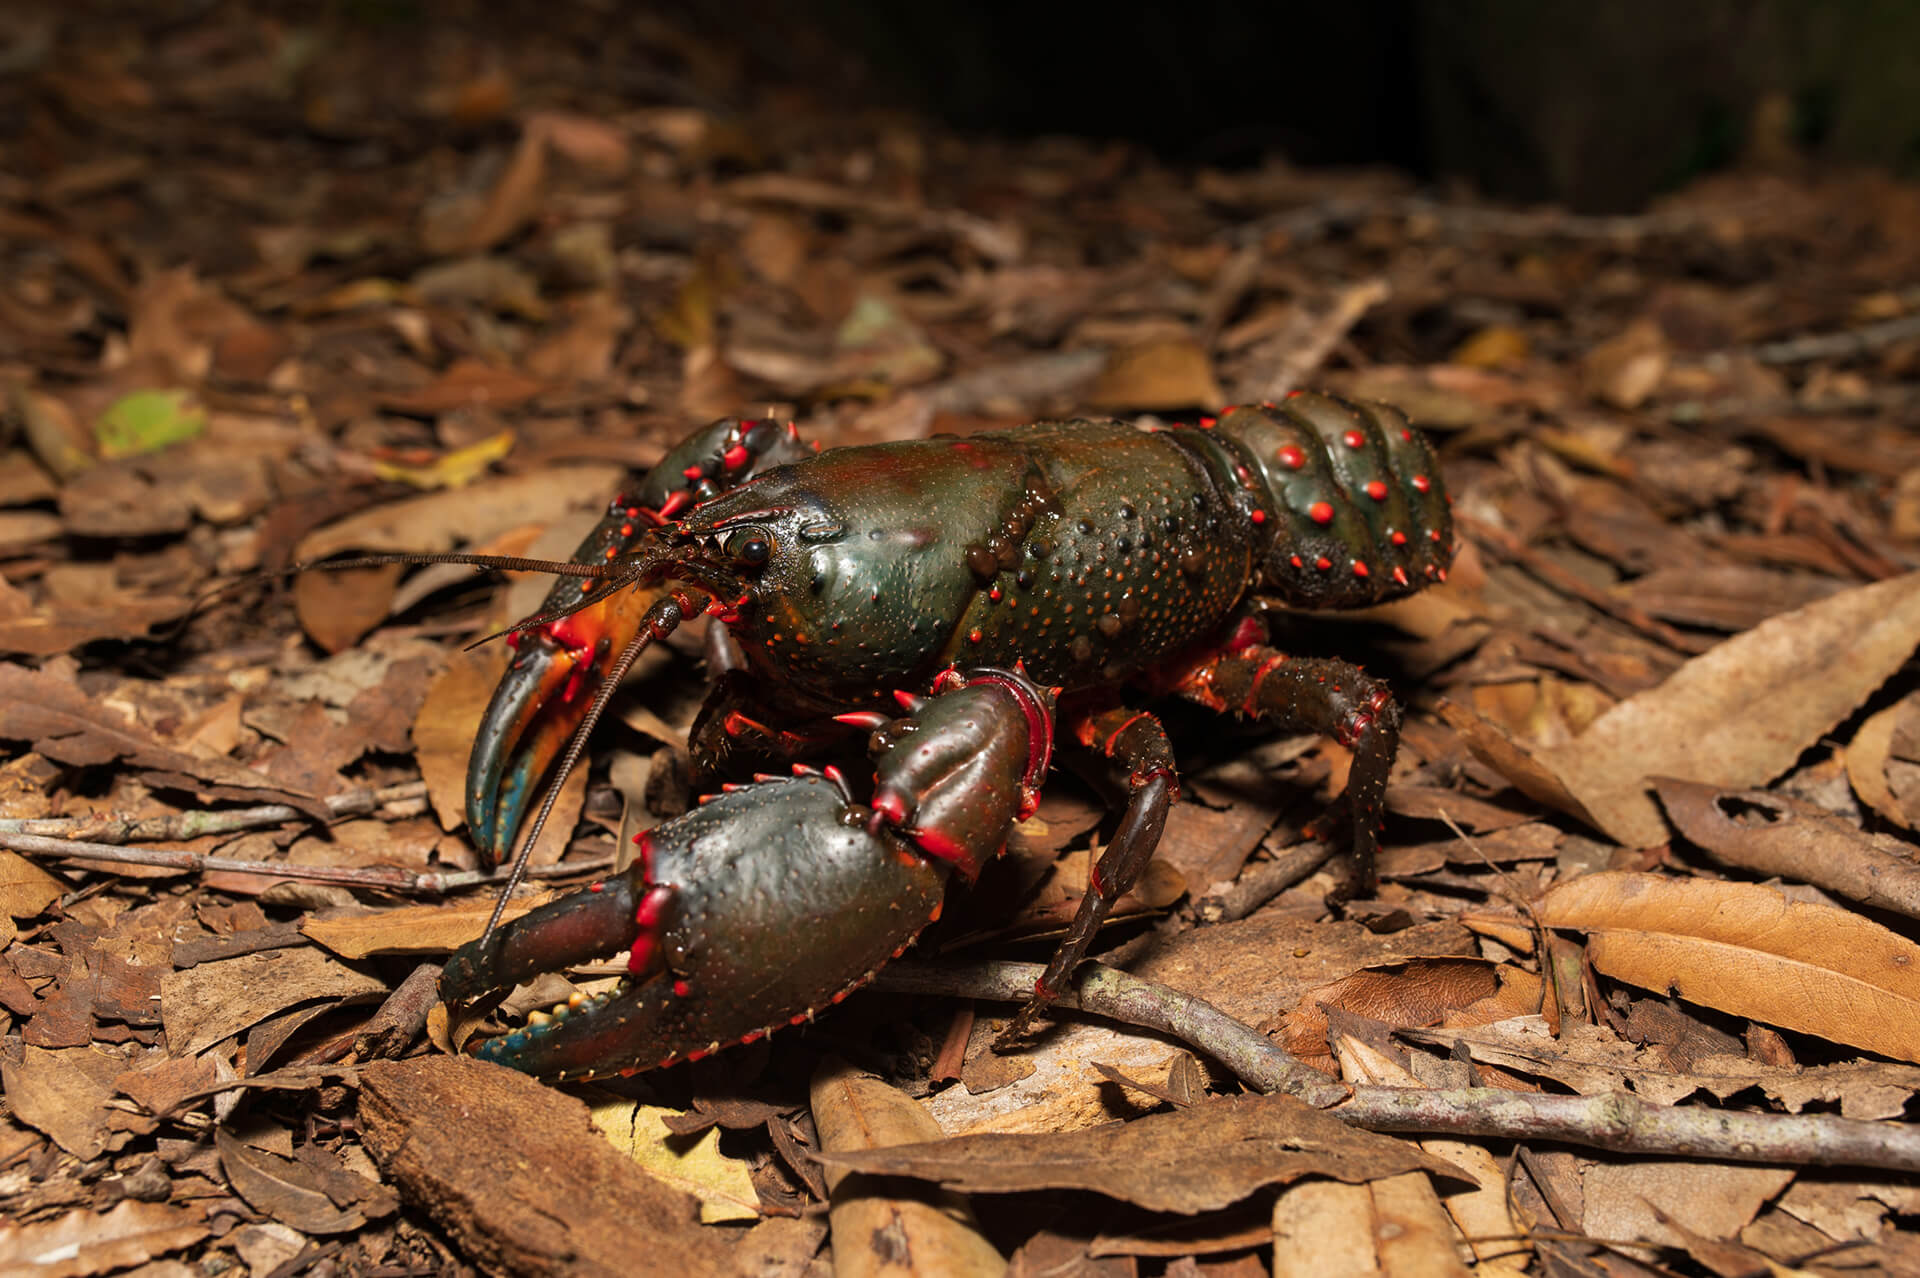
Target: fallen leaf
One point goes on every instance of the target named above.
(878, 1228)
(282, 1188)
(413, 929)
(1202, 1158)
(723, 1185)
(1776, 834)
(1158, 377)
(87, 1242)
(1737, 715)
(145, 421)
(212, 1001)
(1746, 949)
(25, 888)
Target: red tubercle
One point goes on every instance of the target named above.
(1291, 457)
(1208, 423)
(974, 635)
(1323, 563)
(1296, 561)
(1377, 490)
(693, 474)
(681, 989)
(1321, 512)
(677, 500)
(1290, 394)
(1400, 575)
(601, 887)
(891, 806)
(1354, 439)
(1258, 516)
(1422, 484)
(1397, 537)
(736, 457)
(1360, 568)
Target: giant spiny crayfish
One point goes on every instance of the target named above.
(980, 585)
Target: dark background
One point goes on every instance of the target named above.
(1598, 106)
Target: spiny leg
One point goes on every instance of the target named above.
(1137, 742)
(1315, 694)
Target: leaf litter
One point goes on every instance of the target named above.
(1651, 828)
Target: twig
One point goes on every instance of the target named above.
(1510, 547)
(378, 877)
(1261, 883)
(1286, 360)
(1613, 1121)
(1855, 341)
(196, 824)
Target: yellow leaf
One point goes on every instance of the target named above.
(692, 1163)
(456, 469)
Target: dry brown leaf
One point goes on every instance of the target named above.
(25, 888)
(447, 519)
(412, 929)
(1160, 376)
(64, 1092)
(443, 730)
(1745, 949)
(212, 1001)
(1202, 1158)
(878, 1228)
(1417, 993)
(1625, 1199)
(1741, 713)
(1776, 834)
(87, 1242)
(338, 607)
(66, 725)
(292, 1193)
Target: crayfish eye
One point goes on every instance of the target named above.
(750, 548)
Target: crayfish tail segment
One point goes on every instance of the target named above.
(753, 911)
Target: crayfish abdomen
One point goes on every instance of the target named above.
(1084, 556)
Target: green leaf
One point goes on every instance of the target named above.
(145, 421)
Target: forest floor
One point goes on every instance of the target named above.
(1638, 993)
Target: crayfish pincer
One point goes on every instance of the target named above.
(987, 585)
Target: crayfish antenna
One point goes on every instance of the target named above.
(659, 621)
(507, 563)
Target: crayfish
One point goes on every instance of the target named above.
(946, 602)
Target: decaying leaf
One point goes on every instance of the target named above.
(86, 1242)
(1746, 949)
(1197, 1159)
(1737, 715)
(691, 1163)
(879, 1228)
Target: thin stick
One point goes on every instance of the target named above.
(1613, 1121)
(196, 824)
(378, 877)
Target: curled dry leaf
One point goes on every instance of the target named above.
(413, 929)
(291, 1192)
(1197, 1159)
(878, 1230)
(1749, 951)
(1779, 835)
(1737, 715)
(87, 1242)
(207, 1003)
(693, 1163)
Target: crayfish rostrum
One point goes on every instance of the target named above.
(946, 602)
